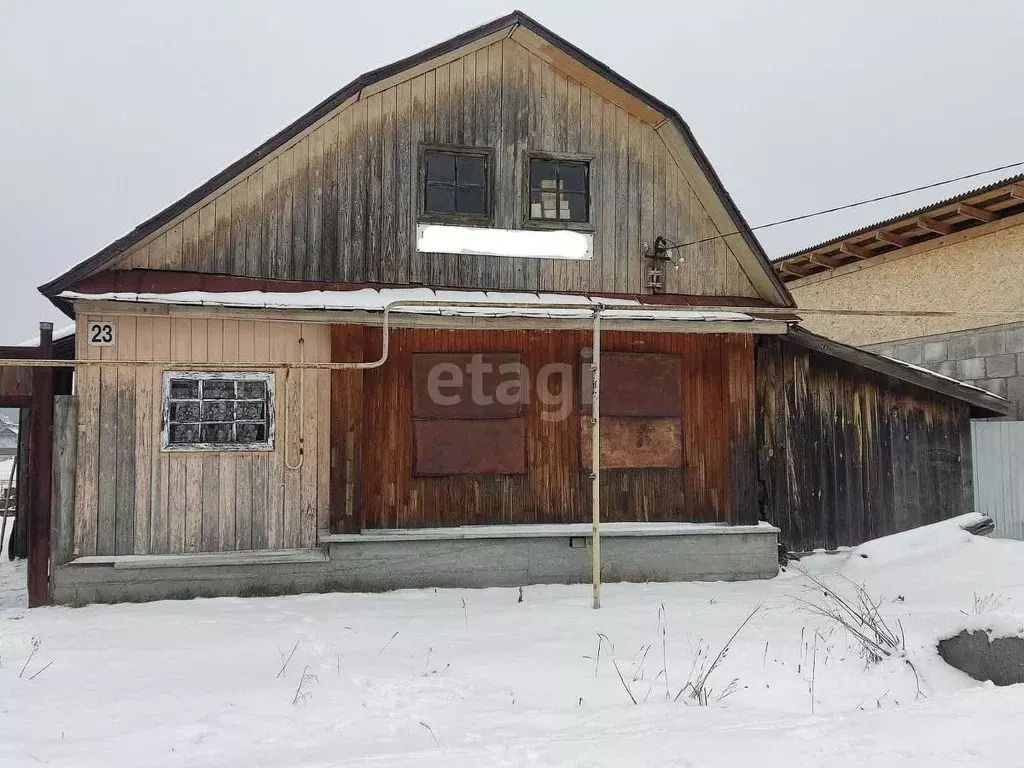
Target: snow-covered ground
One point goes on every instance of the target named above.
(476, 678)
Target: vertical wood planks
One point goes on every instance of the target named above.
(244, 463)
(125, 470)
(341, 200)
(848, 454)
(87, 475)
(132, 497)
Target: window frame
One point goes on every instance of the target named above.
(263, 446)
(429, 217)
(565, 157)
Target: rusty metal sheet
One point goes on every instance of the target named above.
(635, 443)
(635, 384)
(468, 386)
(469, 447)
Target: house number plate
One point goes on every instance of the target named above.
(102, 334)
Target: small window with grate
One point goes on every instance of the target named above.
(559, 190)
(456, 183)
(218, 411)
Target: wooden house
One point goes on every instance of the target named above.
(361, 357)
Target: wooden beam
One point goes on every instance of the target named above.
(821, 261)
(1017, 191)
(788, 269)
(892, 238)
(976, 213)
(858, 251)
(938, 227)
(40, 456)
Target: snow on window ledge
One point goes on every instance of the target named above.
(516, 243)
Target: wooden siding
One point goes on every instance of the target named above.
(340, 202)
(134, 498)
(372, 428)
(847, 454)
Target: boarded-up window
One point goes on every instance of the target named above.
(640, 409)
(218, 411)
(468, 414)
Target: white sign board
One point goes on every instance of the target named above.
(101, 334)
(521, 243)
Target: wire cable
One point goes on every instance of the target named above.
(838, 208)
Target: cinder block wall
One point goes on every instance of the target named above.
(991, 358)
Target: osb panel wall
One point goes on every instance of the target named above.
(134, 498)
(715, 482)
(848, 455)
(341, 202)
(982, 273)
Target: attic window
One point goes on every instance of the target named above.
(218, 411)
(456, 183)
(559, 190)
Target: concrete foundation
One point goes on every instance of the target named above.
(472, 557)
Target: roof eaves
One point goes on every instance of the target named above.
(984, 404)
(899, 218)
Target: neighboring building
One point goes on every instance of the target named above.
(964, 254)
(8, 432)
(264, 417)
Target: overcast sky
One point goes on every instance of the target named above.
(109, 111)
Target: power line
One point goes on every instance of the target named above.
(846, 207)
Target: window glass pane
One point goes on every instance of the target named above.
(218, 389)
(470, 169)
(542, 174)
(184, 388)
(184, 433)
(218, 410)
(251, 433)
(440, 167)
(574, 207)
(440, 199)
(470, 200)
(573, 176)
(217, 433)
(187, 411)
(249, 411)
(252, 390)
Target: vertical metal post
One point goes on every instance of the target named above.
(595, 456)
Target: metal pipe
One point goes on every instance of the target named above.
(583, 309)
(595, 456)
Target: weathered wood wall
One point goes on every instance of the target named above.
(847, 454)
(133, 498)
(372, 429)
(340, 202)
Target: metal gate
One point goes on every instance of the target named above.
(999, 474)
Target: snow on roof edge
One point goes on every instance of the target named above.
(938, 375)
(372, 299)
(60, 333)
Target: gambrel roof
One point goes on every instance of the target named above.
(580, 65)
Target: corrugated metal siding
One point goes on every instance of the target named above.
(999, 474)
